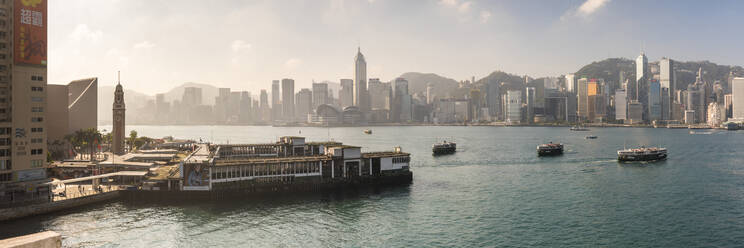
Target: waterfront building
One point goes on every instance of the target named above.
(716, 114)
(689, 117)
(276, 110)
(379, 94)
(582, 98)
(233, 109)
(513, 106)
(320, 94)
(401, 106)
(593, 100)
(667, 78)
(221, 103)
(654, 101)
(288, 103)
(621, 105)
(304, 101)
(361, 96)
(530, 106)
(696, 102)
(346, 93)
(737, 99)
(119, 112)
(493, 100)
(246, 108)
(450, 110)
(635, 112)
(728, 105)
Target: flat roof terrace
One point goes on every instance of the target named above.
(272, 160)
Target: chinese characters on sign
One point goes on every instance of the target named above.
(30, 33)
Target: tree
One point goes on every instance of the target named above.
(132, 139)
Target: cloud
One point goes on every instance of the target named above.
(292, 63)
(144, 45)
(485, 16)
(83, 33)
(464, 7)
(586, 9)
(240, 45)
(448, 2)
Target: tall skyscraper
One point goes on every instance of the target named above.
(401, 107)
(276, 110)
(621, 105)
(320, 94)
(654, 100)
(530, 99)
(737, 98)
(264, 106)
(346, 93)
(288, 103)
(571, 83)
(642, 77)
(493, 100)
(667, 78)
(379, 94)
(304, 104)
(245, 113)
(513, 106)
(361, 97)
(117, 144)
(582, 98)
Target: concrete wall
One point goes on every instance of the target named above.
(57, 115)
(46, 239)
(83, 104)
(20, 212)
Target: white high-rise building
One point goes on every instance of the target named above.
(737, 97)
(513, 106)
(571, 83)
(667, 79)
(361, 97)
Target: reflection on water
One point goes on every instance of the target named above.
(494, 191)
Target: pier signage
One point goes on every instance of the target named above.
(30, 32)
(195, 177)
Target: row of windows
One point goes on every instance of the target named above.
(37, 129)
(264, 170)
(37, 78)
(5, 177)
(39, 89)
(37, 151)
(4, 141)
(397, 160)
(5, 165)
(36, 163)
(4, 152)
(37, 99)
(37, 140)
(5, 130)
(37, 119)
(37, 109)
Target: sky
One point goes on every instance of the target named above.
(158, 45)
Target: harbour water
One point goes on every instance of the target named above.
(494, 191)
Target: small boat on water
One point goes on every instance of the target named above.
(367, 131)
(642, 154)
(591, 137)
(443, 148)
(550, 149)
(579, 129)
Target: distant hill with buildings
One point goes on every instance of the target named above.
(609, 69)
(209, 92)
(417, 82)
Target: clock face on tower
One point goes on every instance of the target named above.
(118, 118)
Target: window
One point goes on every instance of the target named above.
(4, 141)
(37, 99)
(37, 151)
(40, 89)
(37, 109)
(33, 141)
(4, 130)
(33, 78)
(37, 119)
(6, 177)
(37, 129)
(4, 152)
(5, 165)
(36, 163)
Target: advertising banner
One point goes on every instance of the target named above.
(30, 32)
(195, 177)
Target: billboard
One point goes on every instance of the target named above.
(195, 176)
(30, 32)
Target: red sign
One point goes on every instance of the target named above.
(30, 32)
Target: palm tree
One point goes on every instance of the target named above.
(132, 139)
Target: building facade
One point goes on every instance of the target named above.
(361, 97)
(119, 112)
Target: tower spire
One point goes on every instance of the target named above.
(118, 77)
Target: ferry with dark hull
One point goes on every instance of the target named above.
(643, 154)
(443, 148)
(550, 149)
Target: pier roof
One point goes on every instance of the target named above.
(119, 173)
(325, 143)
(383, 154)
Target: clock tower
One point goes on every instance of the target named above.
(117, 145)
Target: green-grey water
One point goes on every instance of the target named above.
(494, 192)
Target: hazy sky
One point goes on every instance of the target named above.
(245, 44)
